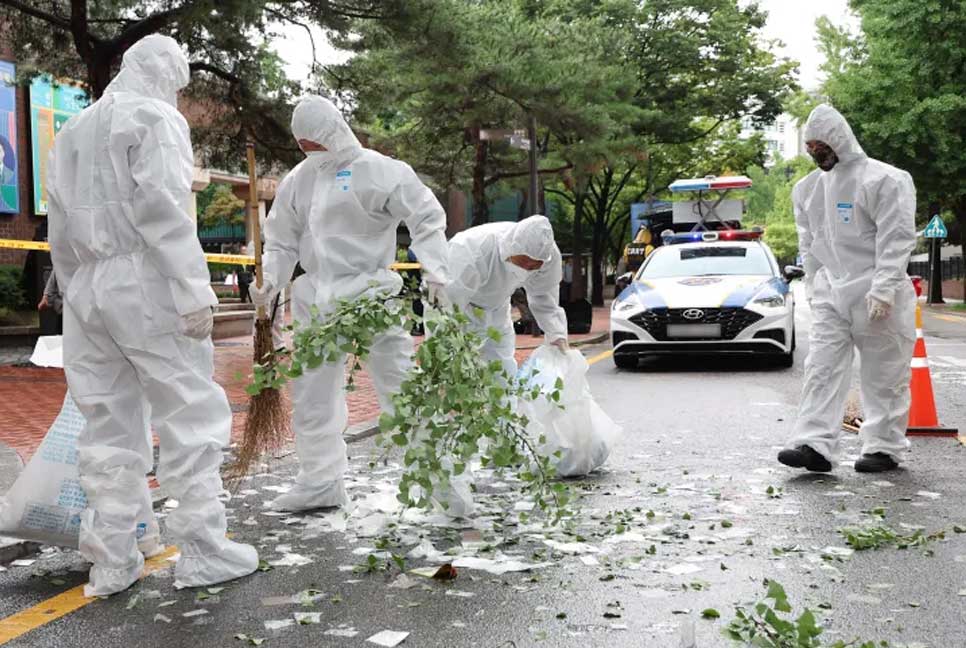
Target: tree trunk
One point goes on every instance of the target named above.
(960, 211)
(578, 288)
(598, 240)
(480, 210)
(98, 73)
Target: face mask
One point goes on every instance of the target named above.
(825, 158)
(518, 273)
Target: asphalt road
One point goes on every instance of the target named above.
(691, 513)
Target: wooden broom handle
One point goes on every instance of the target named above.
(256, 224)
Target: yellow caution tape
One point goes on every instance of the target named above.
(233, 259)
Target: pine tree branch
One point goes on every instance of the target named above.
(49, 18)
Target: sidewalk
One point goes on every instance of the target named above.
(31, 397)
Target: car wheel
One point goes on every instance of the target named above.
(626, 361)
(786, 360)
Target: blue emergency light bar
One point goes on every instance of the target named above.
(671, 238)
(711, 183)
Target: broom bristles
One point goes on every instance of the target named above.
(268, 423)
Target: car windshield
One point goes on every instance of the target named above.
(706, 260)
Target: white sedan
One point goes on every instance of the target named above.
(707, 292)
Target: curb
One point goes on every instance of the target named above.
(597, 339)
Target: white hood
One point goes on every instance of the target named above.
(532, 237)
(154, 67)
(318, 120)
(826, 124)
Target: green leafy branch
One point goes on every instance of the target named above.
(452, 408)
(766, 625)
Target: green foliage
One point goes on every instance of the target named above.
(238, 88)
(222, 207)
(12, 295)
(877, 537)
(452, 407)
(900, 85)
(770, 625)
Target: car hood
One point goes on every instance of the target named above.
(717, 291)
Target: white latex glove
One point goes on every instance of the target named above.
(878, 309)
(436, 294)
(262, 297)
(198, 324)
(561, 344)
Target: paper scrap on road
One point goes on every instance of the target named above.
(682, 569)
(307, 618)
(403, 582)
(195, 613)
(291, 560)
(23, 562)
(460, 593)
(501, 565)
(929, 495)
(278, 624)
(161, 617)
(388, 638)
(341, 631)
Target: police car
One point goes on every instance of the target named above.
(707, 292)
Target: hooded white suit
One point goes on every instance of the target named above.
(137, 323)
(856, 227)
(336, 213)
(483, 277)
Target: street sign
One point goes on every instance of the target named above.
(490, 134)
(936, 228)
(520, 142)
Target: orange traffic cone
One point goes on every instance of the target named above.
(922, 415)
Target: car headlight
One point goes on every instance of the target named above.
(626, 305)
(772, 300)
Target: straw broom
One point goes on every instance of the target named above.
(267, 425)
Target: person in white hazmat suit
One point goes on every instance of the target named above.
(488, 263)
(137, 323)
(856, 226)
(336, 213)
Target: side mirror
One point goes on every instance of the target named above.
(627, 277)
(793, 272)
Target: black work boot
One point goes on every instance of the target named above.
(875, 462)
(805, 457)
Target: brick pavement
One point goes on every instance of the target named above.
(31, 397)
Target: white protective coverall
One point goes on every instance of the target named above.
(483, 277)
(856, 229)
(137, 323)
(337, 213)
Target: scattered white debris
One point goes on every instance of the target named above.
(459, 593)
(403, 582)
(682, 569)
(23, 562)
(161, 617)
(590, 561)
(388, 638)
(278, 624)
(929, 495)
(341, 631)
(291, 560)
(499, 566)
(308, 618)
(194, 613)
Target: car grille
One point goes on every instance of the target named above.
(732, 320)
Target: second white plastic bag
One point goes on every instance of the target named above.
(575, 426)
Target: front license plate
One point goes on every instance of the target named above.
(694, 330)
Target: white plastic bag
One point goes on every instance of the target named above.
(46, 502)
(579, 429)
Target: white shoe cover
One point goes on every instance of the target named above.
(301, 498)
(232, 560)
(104, 581)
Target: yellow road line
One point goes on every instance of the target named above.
(600, 356)
(950, 318)
(21, 623)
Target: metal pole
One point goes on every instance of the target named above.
(532, 204)
(935, 273)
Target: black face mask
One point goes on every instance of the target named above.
(825, 158)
